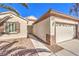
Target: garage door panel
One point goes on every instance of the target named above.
(64, 32)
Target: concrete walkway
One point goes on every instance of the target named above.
(38, 44)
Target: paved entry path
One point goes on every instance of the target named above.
(47, 52)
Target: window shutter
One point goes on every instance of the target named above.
(7, 28)
(17, 27)
(1, 29)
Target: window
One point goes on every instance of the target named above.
(12, 27)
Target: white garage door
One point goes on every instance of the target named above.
(64, 32)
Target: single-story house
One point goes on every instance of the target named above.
(55, 27)
(12, 26)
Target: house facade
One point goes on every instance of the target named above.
(12, 26)
(54, 27)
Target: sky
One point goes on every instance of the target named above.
(38, 9)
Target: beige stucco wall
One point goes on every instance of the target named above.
(52, 25)
(23, 27)
(42, 28)
(52, 29)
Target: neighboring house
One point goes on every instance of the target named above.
(12, 26)
(54, 27)
(30, 21)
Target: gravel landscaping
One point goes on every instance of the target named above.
(17, 47)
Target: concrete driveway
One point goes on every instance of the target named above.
(72, 46)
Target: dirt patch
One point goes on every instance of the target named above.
(54, 48)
